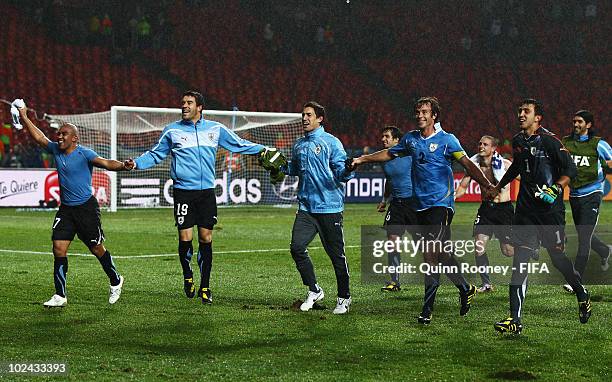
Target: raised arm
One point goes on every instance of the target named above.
(34, 131)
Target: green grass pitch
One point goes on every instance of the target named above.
(250, 333)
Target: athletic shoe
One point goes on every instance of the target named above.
(391, 287)
(56, 301)
(206, 295)
(584, 309)
(568, 288)
(485, 288)
(466, 299)
(343, 305)
(425, 317)
(509, 325)
(311, 298)
(189, 287)
(605, 262)
(115, 291)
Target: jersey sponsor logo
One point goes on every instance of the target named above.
(433, 147)
(581, 161)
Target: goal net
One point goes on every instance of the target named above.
(126, 132)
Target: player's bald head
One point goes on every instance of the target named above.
(73, 129)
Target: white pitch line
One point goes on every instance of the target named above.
(164, 254)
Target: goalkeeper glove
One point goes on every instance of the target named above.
(271, 158)
(276, 176)
(549, 194)
(348, 164)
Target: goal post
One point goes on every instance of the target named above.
(127, 131)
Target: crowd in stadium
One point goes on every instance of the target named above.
(477, 57)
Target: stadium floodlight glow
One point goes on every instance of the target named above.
(128, 131)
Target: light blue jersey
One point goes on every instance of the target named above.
(604, 152)
(432, 174)
(318, 161)
(398, 173)
(74, 172)
(194, 151)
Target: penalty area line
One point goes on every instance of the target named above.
(164, 254)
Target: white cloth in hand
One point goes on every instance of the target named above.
(17, 104)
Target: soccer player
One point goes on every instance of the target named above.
(398, 194)
(318, 160)
(432, 151)
(79, 212)
(545, 167)
(495, 216)
(586, 189)
(192, 143)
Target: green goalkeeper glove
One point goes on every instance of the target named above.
(549, 194)
(271, 158)
(276, 176)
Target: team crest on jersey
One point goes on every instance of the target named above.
(317, 150)
(433, 147)
(533, 150)
(180, 220)
(211, 136)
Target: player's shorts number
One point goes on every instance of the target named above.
(558, 234)
(181, 209)
(57, 220)
(477, 219)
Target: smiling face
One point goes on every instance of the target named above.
(388, 140)
(485, 147)
(67, 137)
(424, 117)
(189, 110)
(529, 121)
(310, 121)
(581, 127)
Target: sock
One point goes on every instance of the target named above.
(483, 261)
(565, 266)
(432, 282)
(185, 251)
(60, 269)
(518, 281)
(314, 288)
(205, 263)
(394, 260)
(455, 277)
(108, 265)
